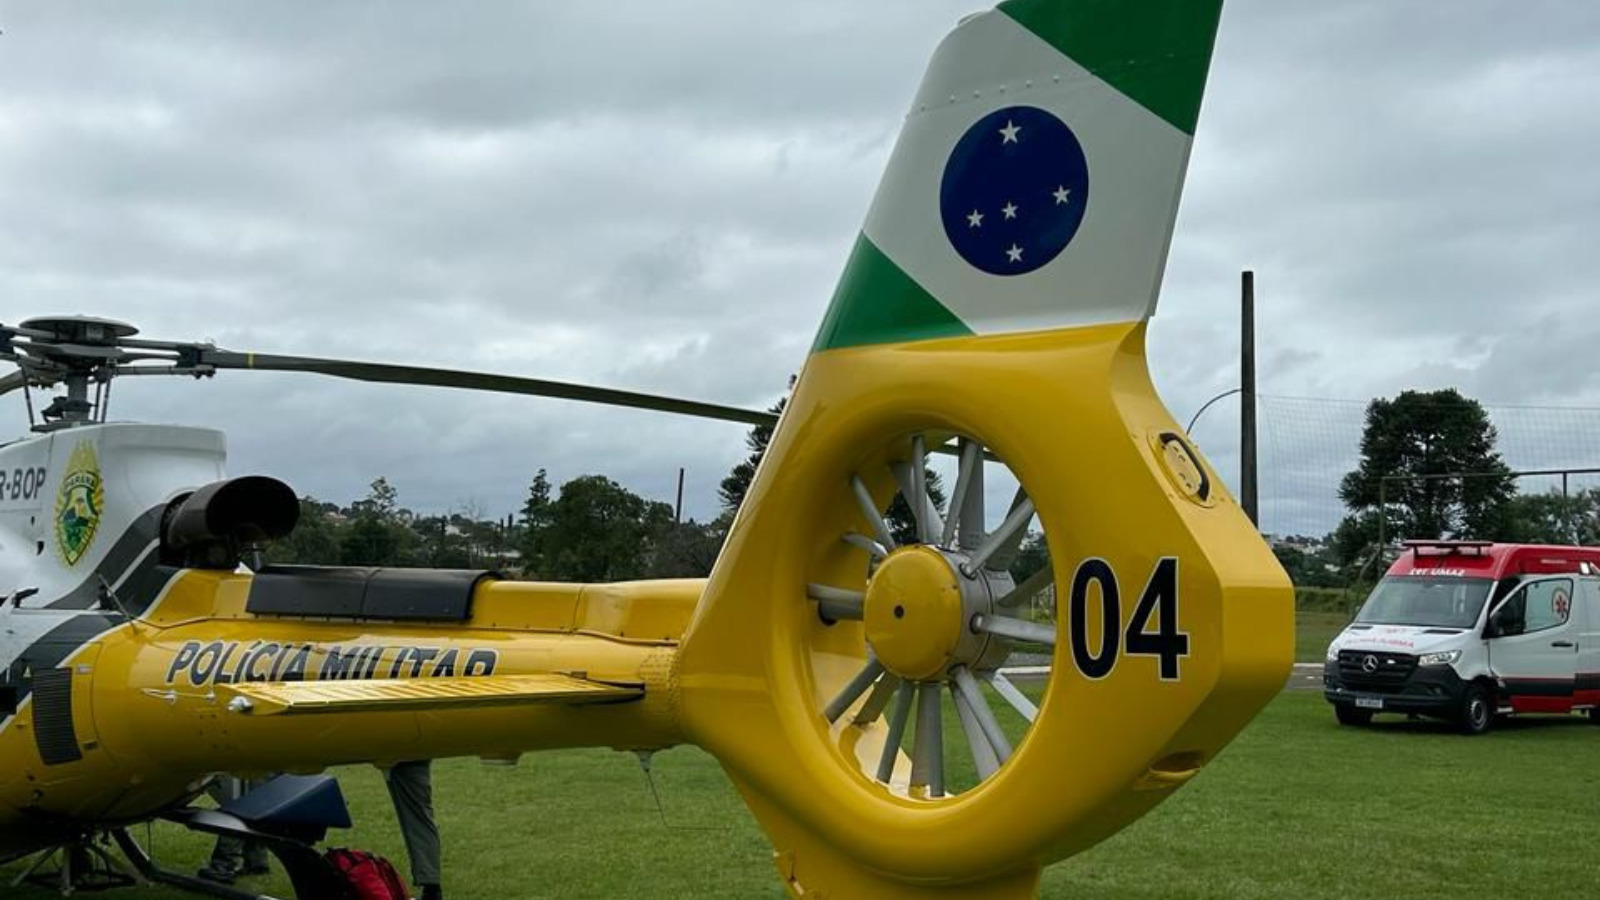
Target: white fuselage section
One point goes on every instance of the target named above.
(80, 512)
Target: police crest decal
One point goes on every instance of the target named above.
(79, 503)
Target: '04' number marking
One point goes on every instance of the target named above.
(1096, 658)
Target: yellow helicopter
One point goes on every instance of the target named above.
(994, 308)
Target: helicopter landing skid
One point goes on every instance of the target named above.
(82, 865)
(149, 871)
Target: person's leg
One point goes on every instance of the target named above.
(411, 789)
(255, 859)
(227, 855)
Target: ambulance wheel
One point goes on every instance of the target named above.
(1594, 714)
(1349, 715)
(1477, 710)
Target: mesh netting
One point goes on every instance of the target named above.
(1307, 444)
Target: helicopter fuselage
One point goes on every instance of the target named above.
(132, 719)
(120, 674)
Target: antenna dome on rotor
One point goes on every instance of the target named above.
(82, 329)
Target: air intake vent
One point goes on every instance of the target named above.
(52, 717)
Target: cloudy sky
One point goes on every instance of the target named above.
(660, 195)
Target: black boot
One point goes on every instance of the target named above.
(218, 871)
(430, 892)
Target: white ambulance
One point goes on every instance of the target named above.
(1463, 630)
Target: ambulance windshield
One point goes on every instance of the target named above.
(1425, 602)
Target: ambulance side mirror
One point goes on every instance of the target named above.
(1495, 627)
(1506, 620)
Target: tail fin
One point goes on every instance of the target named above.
(1036, 181)
(993, 307)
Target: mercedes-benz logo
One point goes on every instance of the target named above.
(1369, 664)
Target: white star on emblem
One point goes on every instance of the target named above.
(1008, 134)
(1010, 209)
(1061, 194)
(1014, 254)
(975, 219)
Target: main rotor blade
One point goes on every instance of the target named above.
(480, 381)
(14, 381)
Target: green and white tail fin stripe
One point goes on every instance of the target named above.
(1036, 181)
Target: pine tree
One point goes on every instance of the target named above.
(737, 484)
(536, 519)
(1418, 434)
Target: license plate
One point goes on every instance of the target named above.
(1369, 702)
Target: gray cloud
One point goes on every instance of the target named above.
(661, 195)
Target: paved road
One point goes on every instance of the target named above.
(1305, 677)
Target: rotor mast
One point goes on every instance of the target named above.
(73, 351)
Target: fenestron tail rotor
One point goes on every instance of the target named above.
(940, 614)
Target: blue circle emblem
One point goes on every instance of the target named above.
(1015, 190)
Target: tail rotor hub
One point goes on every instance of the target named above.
(918, 612)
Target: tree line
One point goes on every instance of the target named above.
(1429, 469)
(589, 529)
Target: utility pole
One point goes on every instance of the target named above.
(1383, 512)
(677, 511)
(1248, 496)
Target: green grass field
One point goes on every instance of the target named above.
(1295, 808)
(1337, 600)
(1313, 631)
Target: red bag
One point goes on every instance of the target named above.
(370, 876)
